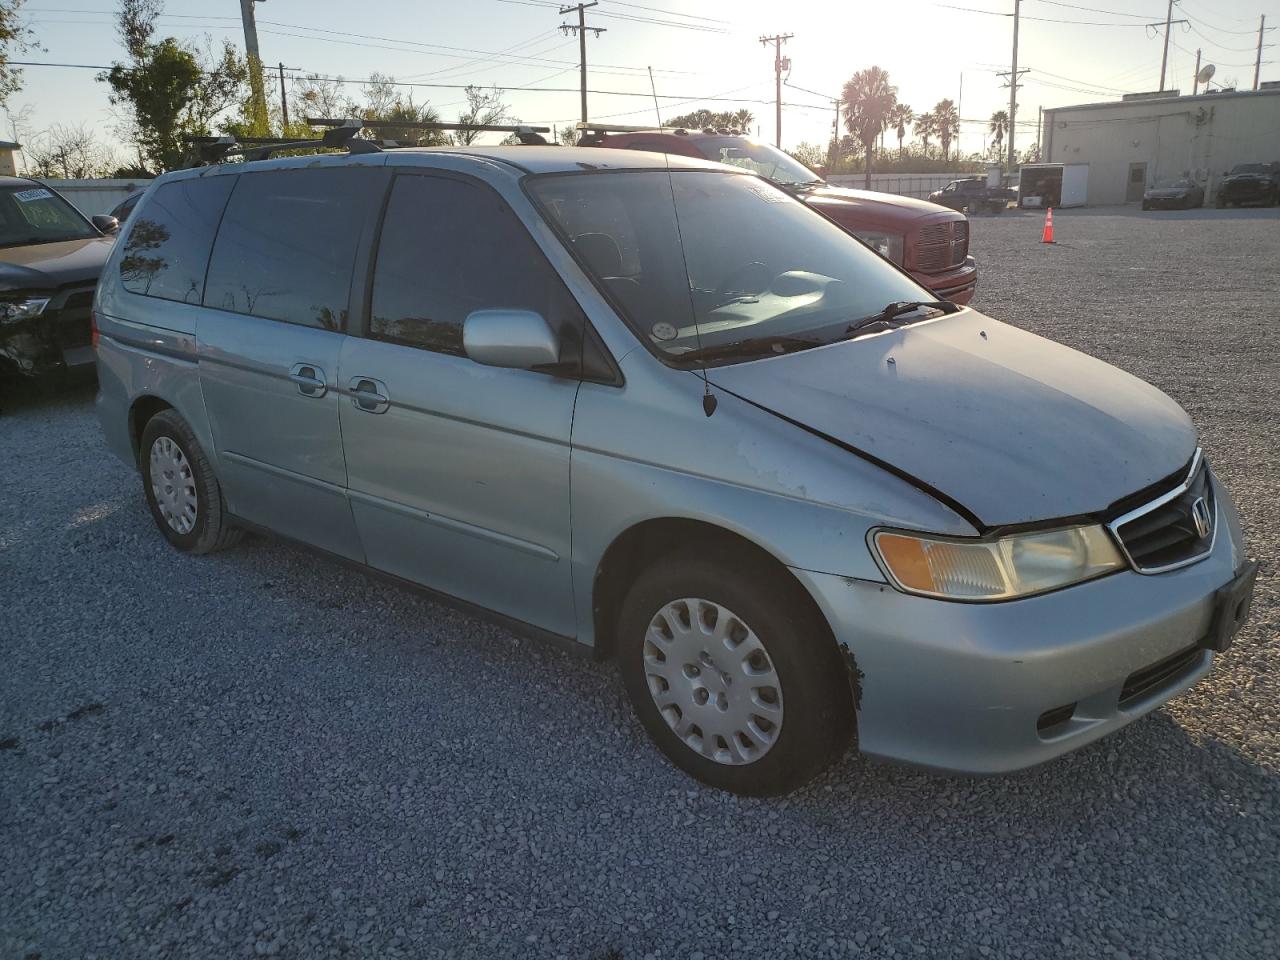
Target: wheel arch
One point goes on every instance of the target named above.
(141, 410)
(644, 542)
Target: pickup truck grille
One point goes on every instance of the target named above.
(941, 246)
(1175, 528)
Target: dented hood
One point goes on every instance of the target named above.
(1010, 426)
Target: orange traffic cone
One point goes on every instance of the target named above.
(1047, 236)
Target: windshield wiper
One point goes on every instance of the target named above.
(899, 307)
(750, 347)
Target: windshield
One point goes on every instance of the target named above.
(1249, 168)
(1170, 182)
(33, 214)
(743, 259)
(757, 157)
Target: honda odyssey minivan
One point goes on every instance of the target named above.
(659, 408)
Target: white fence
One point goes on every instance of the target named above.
(905, 184)
(96, 196)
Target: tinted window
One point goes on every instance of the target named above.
(166, 249)
(34, 214)
(447, 248)
(287, 244)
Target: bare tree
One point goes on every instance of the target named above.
(316, 96)
(483, 108)
(72, 153)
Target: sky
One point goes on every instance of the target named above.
(1077, 51)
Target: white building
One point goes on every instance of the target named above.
(1132, 143)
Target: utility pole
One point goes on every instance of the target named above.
(284, 100)
(1013, 84)
(1195, 83)
(835, 138)
(778, 39)
(258, 104)
(1164, 60)
(581, 29)
(1257, 65)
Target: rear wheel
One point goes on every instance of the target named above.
(734, 678)
(181, 489)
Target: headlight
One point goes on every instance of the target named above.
(1013, 566)
(11, 311)
(886, 244)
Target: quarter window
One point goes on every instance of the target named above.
(287, 244)
(449, 247)
(166, 250)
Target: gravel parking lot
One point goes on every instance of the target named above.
(264, 753)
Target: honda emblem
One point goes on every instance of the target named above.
(1200, 514)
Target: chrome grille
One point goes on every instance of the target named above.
(941, 246)
(1174, 529)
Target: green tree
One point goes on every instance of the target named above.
(900, 118)
(171, 90)
(15, 37)
(484, 107)
(926, 126)
(998, 126)
(811, 155)
(868, 99)
(947, 119)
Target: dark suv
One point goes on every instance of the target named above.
(50, 258)
(1250, 183)
(928, 241)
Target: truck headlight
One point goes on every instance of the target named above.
(21, 308)
(888, 245)
(1014, 566)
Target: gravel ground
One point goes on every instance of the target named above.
(263, 753)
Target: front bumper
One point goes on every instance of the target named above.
(957, 284)
(1252, 192)
(963, 686)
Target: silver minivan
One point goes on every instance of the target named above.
(661, 410)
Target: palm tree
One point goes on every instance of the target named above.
(948, 121)
(868, 97)
(900, 118)
(743, 119)
(999, 124)
(926, 127)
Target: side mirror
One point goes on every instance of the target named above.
(520, 339)
(106, 223)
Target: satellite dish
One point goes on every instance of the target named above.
(1206, 73)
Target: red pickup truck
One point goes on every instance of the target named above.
(927, 240)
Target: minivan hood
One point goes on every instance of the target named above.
(47, 266)
(1012, 427)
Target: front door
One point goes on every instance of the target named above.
(270, 336)
(459, 473)
(1136, 185)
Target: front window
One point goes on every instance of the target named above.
(761, 158)
(31, 214)
(1174, 183)
(1248, 168)
(697, 260)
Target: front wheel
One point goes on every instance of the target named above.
(181, 489)
(733, 676)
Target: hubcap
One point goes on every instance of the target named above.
(713, 682)
(173, 485)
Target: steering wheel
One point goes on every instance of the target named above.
(742, 276)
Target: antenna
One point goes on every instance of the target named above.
(1206, 73)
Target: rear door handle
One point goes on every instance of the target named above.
(310, 379)
(369, 395)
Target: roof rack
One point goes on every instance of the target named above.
(525, 133)
(587, 125)
(341, 133)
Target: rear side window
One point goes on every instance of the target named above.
(287, 245)
(166, 250)
(449, 247)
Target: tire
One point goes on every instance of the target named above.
(1145, 205)
(191, 512)
(794, 658)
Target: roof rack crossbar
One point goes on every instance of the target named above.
(526, 133)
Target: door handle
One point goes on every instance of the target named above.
(369, 395)
(310, 379)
